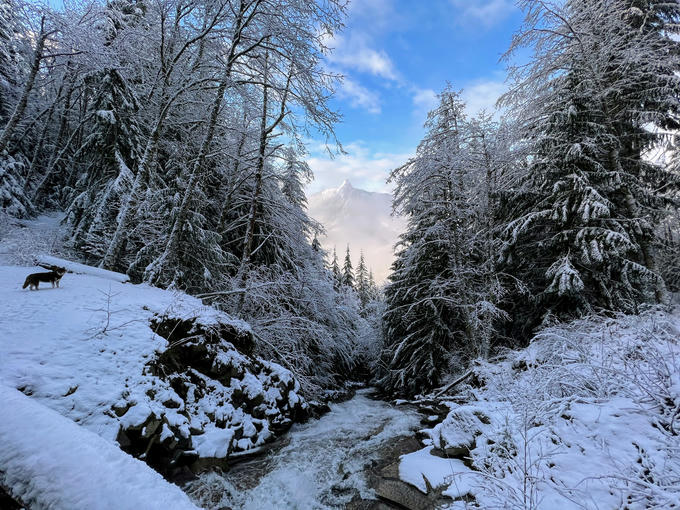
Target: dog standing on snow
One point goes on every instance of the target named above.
(53, 277)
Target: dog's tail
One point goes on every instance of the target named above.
(26, 283)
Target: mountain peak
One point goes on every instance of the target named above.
(361, 218)
(346, 186)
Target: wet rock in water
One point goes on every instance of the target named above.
(368, 504)
(403, 495)
(383, 478)
(206, 397)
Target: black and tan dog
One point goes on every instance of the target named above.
(53, 277)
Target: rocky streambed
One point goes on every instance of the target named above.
(349, 458)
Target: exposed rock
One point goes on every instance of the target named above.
(368, 504)
(454, 452)
(174, 329)
(404, 495)
(392, 492)
(455, 436)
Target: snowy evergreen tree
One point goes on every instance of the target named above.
(439, 307)
(9, 59)
(581, 233)
(362, 284)
(335, 270)
(348, 279)
(111, 149)
(373, 290)
(13, 200)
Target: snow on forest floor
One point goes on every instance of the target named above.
(22, 241)
(75, 350)
(321, 466)
(588, 416)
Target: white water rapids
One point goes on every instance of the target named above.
(321, 467)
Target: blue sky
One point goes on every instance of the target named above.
(395, 56)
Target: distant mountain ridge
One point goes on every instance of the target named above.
(361, 219)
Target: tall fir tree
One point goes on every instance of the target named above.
(347, 271)
(438, 309)
(335, 270)
(362, 285)
(105, 161)
(581, 229)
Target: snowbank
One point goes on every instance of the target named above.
(586, 417)
(75, 267)
(47, 461)
(168, 378)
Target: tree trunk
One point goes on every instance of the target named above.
(18, 112)
(252, 215)
(647, 253)
(56, 156)
(127, 211)
(156, 268)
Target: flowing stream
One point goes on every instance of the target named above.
(320, 466)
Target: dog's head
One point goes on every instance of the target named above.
(61, 271)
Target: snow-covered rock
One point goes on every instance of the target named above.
(206, 396)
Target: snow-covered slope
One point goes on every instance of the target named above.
(54, 347)
(51, 462)
(169, 379)
(588, 416)
(361, 219)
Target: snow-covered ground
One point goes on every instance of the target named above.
(588, 416)
(77, 348)
(322, 463)
(79, 355)
(53, 463)
(21, 240)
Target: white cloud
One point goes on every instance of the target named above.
(424, 100)
(359, 96)
(356, 53)
(364, 168)
(482, 95)
(486, 12)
